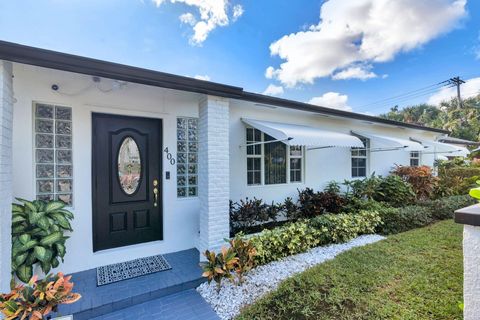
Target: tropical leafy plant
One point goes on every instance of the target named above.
(245, 253)
(420, 178)
(36, 300)
(219, 266)
(475, 192)
(395, 191)
(38, 236)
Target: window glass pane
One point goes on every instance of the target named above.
(275, 161)
(296, 151)
(44, 140)
(43, 111)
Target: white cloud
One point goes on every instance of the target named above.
(188, 18)
(469, 89)
(332, 100)
(273, 90)
(211, 14)
(356, 72)
(237, 12)
(200, 77)
(361, 32)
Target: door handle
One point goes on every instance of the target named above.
(155, 192)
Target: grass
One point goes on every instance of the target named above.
(412, 275)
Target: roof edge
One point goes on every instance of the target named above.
(302, 106)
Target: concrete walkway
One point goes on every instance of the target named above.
(185, 305)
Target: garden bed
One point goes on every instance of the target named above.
(411, 275)
(263, 279)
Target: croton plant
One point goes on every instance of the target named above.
(38, 298)
(38, 236)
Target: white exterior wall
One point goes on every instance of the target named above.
(180, 216)
(6, 117)
(214, 173)
(471, 273)
(220, 157)
(322, 165)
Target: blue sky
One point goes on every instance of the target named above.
(393, 46)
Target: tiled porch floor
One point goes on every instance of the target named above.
(186, 305)
(97, 301)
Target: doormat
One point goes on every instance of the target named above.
(131, 269)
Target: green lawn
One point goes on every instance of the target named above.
(413, 275)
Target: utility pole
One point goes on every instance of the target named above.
(456, 81)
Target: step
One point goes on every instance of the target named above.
(185, 305)
(97, 301)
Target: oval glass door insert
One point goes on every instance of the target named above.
(129, 166)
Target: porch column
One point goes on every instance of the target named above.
(6, 117)
(214, 172)
(470, 218)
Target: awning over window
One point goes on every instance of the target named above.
(446, 149)
(298, 135)
(388, 142)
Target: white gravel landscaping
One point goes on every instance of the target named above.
(266, 278)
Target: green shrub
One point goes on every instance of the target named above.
(344, 227)
(397, 220)
(356, 205)
(461, 172)
(300, 236)
(284, 241)
(442, 209)
(395, 191)
(391, 189)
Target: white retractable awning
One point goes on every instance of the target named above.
(443, 148)
(391, 143)
(299, 135)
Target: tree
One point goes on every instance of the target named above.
(462, 122)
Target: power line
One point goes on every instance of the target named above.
(435, 86)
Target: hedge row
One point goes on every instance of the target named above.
(297, 237)
(300, 236)
(395, 220)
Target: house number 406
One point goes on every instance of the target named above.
(169, 156)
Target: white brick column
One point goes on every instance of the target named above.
(214, 172)
(6, 117)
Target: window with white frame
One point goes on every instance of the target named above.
(296, 159)
(187, 157)
(272, 162)
(254, 156)
(53, 153)
(414, 158)
(360, 159)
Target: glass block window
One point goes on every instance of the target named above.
(414, 159)
(53, 153)
(187, 157)
(360, 159)
(296, 154)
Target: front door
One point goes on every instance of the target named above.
(127, 180)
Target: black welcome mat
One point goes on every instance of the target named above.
(131, 269)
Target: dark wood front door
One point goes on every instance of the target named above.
(127, 181)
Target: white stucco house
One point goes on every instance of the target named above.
(148, 161)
